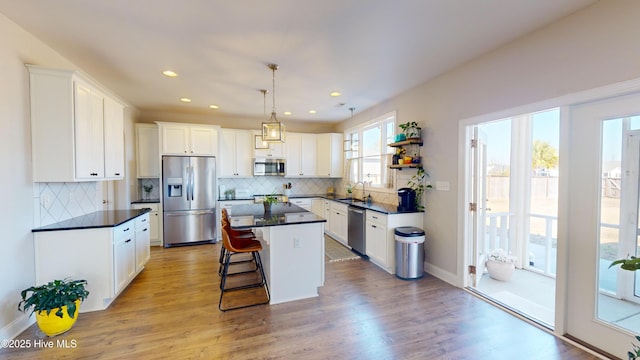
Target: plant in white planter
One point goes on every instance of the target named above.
(501, 265)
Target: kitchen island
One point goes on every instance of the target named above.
(292, 248)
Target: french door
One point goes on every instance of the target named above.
(478, 156)
(602, 221)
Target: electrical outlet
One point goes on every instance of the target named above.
(45, 200)
(296, 243)
(442, 185)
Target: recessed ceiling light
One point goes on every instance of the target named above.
(312, 111)
(214, 107)
(287, 113)
(185, 100)
(335, 94)
(170, 73)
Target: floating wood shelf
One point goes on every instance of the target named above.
(404, 166)
(407, 142)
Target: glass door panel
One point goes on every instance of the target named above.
(602, 222)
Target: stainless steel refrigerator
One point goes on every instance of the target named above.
(188, 199)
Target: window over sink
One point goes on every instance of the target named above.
(367, 155)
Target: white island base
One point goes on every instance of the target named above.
(293, 260)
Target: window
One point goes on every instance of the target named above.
(367, 154)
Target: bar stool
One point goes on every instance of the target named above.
(239, 247)
(232, 233)
(234, 236)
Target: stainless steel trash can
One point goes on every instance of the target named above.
(409, 252)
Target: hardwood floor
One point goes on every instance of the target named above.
(170, 311)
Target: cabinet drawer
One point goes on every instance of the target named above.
(152, 206)
(300, 202)
(142, 221)
(124, 230)
(376, 217)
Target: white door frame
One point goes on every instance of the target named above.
(460, 278)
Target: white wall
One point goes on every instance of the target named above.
(18, 215)
(594, 47)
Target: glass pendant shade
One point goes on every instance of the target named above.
(273, 130)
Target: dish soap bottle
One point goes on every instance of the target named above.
(369, 199)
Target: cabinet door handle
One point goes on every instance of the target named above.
(117, 174)
(127, 229)
(373, 226)
(375, 217)
(128, 241)
(145, 229)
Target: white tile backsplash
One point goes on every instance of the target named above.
(275, 184)
(62, 201)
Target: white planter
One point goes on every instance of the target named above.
(500, 270)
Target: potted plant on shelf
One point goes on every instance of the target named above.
(411, 130)
(417, 183)
(56, 304)
(501, 265)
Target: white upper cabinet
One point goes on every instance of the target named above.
(329, 155)
(235, 153)
(300, 155)
(76, 128)
(147, 151)
(113, 140)
(188, 139)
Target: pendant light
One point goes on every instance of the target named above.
(259, 143)
(273, 130)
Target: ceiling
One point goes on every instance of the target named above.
(368, 50)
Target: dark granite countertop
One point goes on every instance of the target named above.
(374, 206)
(253, 215)
(98, 219)
(146, 201)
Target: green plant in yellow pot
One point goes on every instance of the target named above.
(56, 304)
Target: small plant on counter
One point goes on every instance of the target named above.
(147, 190)
(417, 183)
(270, 199)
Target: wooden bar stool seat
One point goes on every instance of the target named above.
(241, 246)
(242, 237)
(234, 234)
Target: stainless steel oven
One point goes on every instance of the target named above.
(265, 166)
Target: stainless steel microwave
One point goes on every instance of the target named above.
(265, 166)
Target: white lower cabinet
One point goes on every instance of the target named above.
(317, 207)
(154, 222)
(124, 255)
(380, 236)
(105, 257)
(143, 236)
(328, 228)
(338, 216)
(304, 203)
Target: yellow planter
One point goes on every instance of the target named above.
(53, 325)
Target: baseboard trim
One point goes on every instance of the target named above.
(16, 327)
(442, 274)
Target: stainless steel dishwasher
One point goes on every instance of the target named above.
(356, 232)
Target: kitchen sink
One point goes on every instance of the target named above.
(350, 201)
